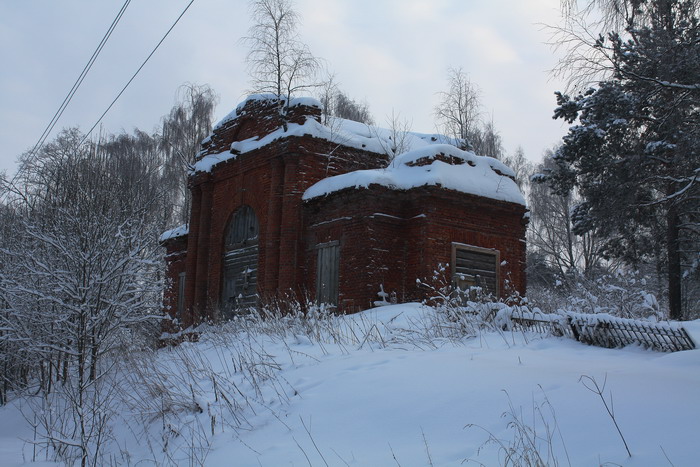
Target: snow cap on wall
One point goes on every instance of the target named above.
(465, 171)
(338, 130)
(179, 231)
(440, 165)
(293, 102)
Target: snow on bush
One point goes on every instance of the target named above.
(623, 294)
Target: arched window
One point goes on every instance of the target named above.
(242, 230)
(240, 269)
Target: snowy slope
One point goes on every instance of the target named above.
(410, 401)
(362, 406)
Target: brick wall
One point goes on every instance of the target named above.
(271, 180)
(391, 238)
(386, 237)
(256, 118)
(175, 256)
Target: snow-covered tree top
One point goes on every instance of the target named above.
(438, 165)
(179, 231)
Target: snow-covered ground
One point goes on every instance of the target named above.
(393, 399)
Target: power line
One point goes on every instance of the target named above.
(137, 71)
(78, 82)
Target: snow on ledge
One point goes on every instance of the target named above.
(179, 231)
(437, 165)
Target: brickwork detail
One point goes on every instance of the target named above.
(386, 237)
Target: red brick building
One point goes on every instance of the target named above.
(289, 205)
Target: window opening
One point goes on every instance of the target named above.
(478, 267)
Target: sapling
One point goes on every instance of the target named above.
(592, 385)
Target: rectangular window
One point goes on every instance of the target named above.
(327, 273)
(474, 266)
(180, 295)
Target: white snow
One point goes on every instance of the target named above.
(340, 131)
(235, 113)
(475, 175)
(179, 231)
(432, 403)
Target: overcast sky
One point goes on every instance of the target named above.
(393, 54)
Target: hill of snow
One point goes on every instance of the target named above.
(391, 387)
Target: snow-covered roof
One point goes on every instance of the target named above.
(424, 159)
(179, 231)
(338, 130)
(440, 165)
(235, 113)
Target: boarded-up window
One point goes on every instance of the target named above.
(180, 295)
(240, 269)
(327, 273)
(475, 267)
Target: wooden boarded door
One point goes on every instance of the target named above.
(239, 290)
(327, 273)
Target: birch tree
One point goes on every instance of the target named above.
(459, 111)
(182, 131)
(278, 61)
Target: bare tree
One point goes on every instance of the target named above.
(11, 365)
(78, 280)
(279, 63)
(327, 91)
(522, 167)
(396, 142)
(582, 64)
(487, 141)
(183, 130)
(551, 236)
(336, 103)
(350, 109)
(459, 111)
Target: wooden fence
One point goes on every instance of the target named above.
(608, 331)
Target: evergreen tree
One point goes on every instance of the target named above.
(634, 155)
